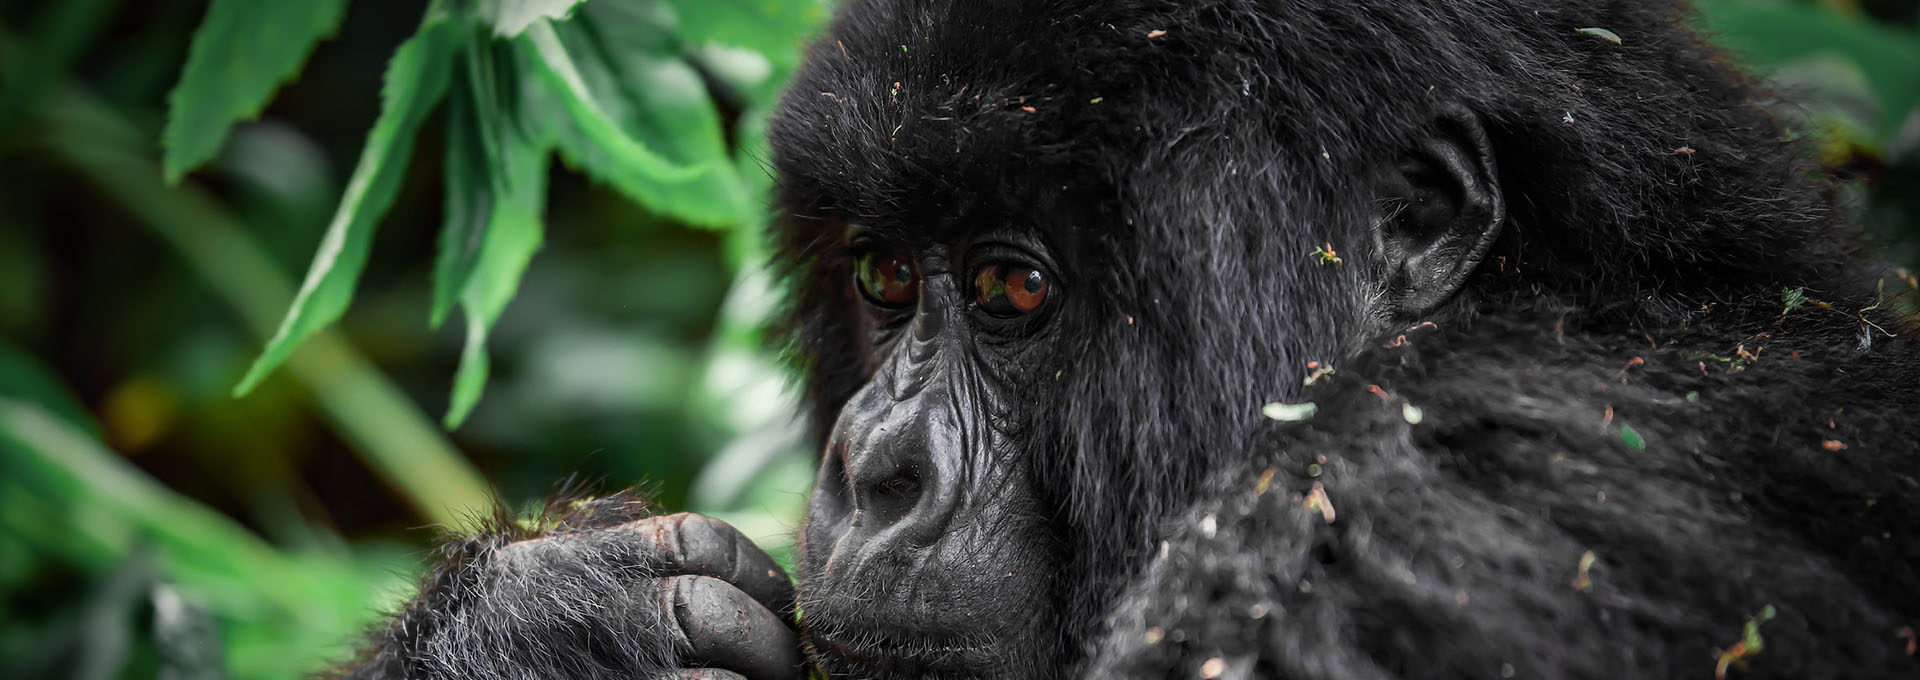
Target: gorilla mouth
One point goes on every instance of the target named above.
(900, 652)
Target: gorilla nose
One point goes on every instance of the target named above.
(901, 488)
(887, 490)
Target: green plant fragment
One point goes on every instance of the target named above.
(510, 18)
(1290, 413)
(1600, 33)
(415, 80)
(1791, 299)
(1632, 438)
(56, 470)
(25, 377)
(769, 27)
(590, 137)
(650, 90)
(241, 54)
(512, 234)
(474, 171)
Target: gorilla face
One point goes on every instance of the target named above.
(926, 508)
(938, 306)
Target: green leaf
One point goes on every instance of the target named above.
(473, 155)
(1632, 438)
(591, 136)
(241, 54)
(469, 204)
(511, 234)
(774, 28)
(416, 79)
(1600, 33)
(753, 45)
(646, 84)
(510, 18)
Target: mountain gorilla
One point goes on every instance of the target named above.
(1572, 370)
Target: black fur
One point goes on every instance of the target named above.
(1455, 544)
(1621, 375)
(557, 596)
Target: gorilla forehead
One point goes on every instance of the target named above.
(1267, 111)
(924, 106)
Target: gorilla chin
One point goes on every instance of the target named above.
(956, 609)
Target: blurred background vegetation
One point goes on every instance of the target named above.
(517, 323)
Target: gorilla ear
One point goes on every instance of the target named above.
(1440, 210)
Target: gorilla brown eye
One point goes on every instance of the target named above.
(888, 279)
(1009, 290)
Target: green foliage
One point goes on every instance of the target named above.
(242, 53)
(487, 242)
(69, 498)
(366, 408)
(612, 86)
(605, 84)
(510, 17)
(1776, 35)
(593, 135)
(769, 32)
(22, 378)
(1846, 77)
(473, 151)
(416, 78)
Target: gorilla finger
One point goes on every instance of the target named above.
(702, 546)
(701, 674)
(725, 628)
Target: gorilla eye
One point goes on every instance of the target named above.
(888, 279)
(1009, 291)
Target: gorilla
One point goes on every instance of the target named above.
(1275, 339)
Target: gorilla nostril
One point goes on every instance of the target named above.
(902, 485)
(890, 497)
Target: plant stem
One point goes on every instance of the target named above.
(390, 433)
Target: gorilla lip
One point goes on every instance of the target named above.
(901, 651)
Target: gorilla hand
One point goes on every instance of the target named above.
(681, 597)
(723, 600)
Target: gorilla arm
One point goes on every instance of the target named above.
(600, 592)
